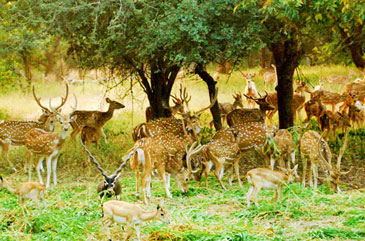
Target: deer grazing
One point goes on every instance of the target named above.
(164, 153)
(284, 149)
(266, 178)
(32, 190)
(250, 89)
(47, 145)
(110, 186)
(230, 144)
(12, 132)
(240, 116)
(131, 215)
(314, 148)
(96, 119)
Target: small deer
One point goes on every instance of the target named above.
(266, 178)
(131, 215)
(110, 186)
(12, 132)
(250, 89)
(314, 106)
(32, 190)
(96, 119)
(47, 145)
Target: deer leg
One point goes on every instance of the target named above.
(49, 162)
(38, 164)
(315, 175)
(219, 171)
(5, 146)
(54, 167)
(129, 232)
(249, 193)
(278, 194)
(144, 187)
(161, 171)
(237, 170)
(29, 163)
(74, 132)
(148, 183)
(138, 231)
(255, 192)
(208, 166)
(304, 163)
(310, 174)
(102, 132)
(168, 177)
(41, 196)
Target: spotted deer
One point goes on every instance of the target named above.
(32, 190)
(240, 116)
(230, 144)
(96, 119)
(316, 150)
(130, 215)
(13, 132)
(164, 153)
(47, 145)
(314, 106)
(225, 108)
(266, 178)
(250, 89)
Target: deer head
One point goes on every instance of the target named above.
(262, 102)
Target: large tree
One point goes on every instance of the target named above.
(152, 39)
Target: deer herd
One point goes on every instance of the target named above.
(172, 146)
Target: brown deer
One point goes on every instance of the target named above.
(164, 153)
(31, 190)
(96, 119)
(314, 106)
(12, 132)
(250, 90)
(225, 108)
(240, 116)
(270, 77)
(266, 178)
(330, 122)
(130, 215)
(315, 149)
(47, 145)
(332, 98)
(284, 149)
(230, 144)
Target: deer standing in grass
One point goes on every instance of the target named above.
(95, 119)
(32, 190)
(131, 215)
(164, 153)
(12, 132)
(316, 150)
(266, 178)
(47, 145)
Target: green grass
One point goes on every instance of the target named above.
(74, 211)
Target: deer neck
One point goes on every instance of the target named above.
(235, 105)
(147, 215)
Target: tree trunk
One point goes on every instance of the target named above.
(159, 89)
(287, 55)
(354, 45)
(204, 75)
(27, 67)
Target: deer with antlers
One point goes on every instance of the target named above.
(47, 145)
(164, 153)
(32, 190)
(225, 108)
(110, 186)
(314, 148)
(96, 119)
(250, 89)
(240, 116)
(12, 132)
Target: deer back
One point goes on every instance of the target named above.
(250, 135)
(309, 144)
(39, 141)
(239, 116)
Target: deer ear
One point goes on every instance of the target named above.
(107, 100)
(158, 207)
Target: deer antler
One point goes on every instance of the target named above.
(63, 99)
(342, 150)
(185, 97)
(94, 161)
(194, 149)
(116, 173)
(38, 100)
